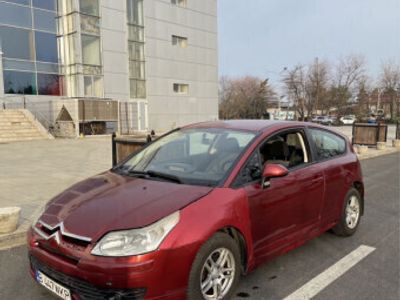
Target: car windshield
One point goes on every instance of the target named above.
(190, 156)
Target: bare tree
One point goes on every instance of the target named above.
(244, 98)
(390, 82)
(317, 86)
(348, 74)
(295, 83)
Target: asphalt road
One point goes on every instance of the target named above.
(377, 276)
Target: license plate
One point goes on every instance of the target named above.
(53, 286)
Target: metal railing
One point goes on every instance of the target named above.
(21, 102)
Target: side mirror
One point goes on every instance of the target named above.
(273, 171)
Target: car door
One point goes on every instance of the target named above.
(287, 212)
(330, 152)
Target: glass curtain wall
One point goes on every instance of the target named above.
(29, 44)
(136, 49)
(80, 47)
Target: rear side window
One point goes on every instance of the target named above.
(328, 145)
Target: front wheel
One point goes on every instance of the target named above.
(351, 214)
(216, 269)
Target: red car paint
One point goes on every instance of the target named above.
(272, 221)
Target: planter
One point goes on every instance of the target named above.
(396, 144)
(362, 149)
(381, 146)
(9, 218)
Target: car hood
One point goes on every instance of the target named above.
(110, 202)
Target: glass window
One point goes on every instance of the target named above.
(93, 86)
(181, 88)
(23, 2)
(19, 83)
(45, 20)
(136, 51)
(47, 67)
(327, 144)
(179, 41)
(45, 4)
(251, 172)
(91, 50)
(22, 65)
(16, 43)
(46, 47)
(90, 7)
(12, 14)
(138, 89)
(181, 3)
(136, 33)
(135, 12)
(136, 70)
(48, 84)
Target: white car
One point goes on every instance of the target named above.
(348, 120)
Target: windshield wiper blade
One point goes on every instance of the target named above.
(155, 174)
(169, 177)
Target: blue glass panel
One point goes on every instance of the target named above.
(45, 20)
(19, 83)
(48, 84)
(46, 47)
(16, 43)
(11, 14)
(23, 2)
(22, 65)
(45, 4)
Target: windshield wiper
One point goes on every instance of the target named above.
(155, 174)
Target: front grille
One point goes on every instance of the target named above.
(87, 291)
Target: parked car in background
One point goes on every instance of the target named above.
(324, 120)
(194, 210)
(348, 120)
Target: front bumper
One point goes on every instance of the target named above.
(150, 276)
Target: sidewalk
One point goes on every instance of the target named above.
(28, 179)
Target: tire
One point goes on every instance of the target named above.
(200, 273)
(351, 214)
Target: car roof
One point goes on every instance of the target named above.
(248, 125)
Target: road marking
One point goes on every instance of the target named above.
(318, 283)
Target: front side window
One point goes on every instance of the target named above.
(91, 50)
(287, 149)
(89, 7)
(195, 156)
(327, 144)
(179, 41)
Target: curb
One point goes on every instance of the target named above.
(18, 237)
(378, 153)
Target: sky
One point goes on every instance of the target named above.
(261, 37)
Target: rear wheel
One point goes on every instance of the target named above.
(351, 214)
(216, 269)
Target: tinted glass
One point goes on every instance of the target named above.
(11, 64)
(327, 144)
(196, 156)
(46, 47)
(48, 84)
(19, 83)
(16, 43)
(90, 7)
(12, 14)
(45, 20)
(24, 2)
(45, 4)
(135, 12)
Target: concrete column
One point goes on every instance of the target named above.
(1, 76)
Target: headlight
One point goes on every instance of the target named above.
(136, 241)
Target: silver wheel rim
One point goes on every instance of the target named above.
(217, 274)
(352, 212)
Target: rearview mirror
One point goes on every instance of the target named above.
(273, 171)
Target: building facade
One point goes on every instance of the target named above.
(158, 59)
